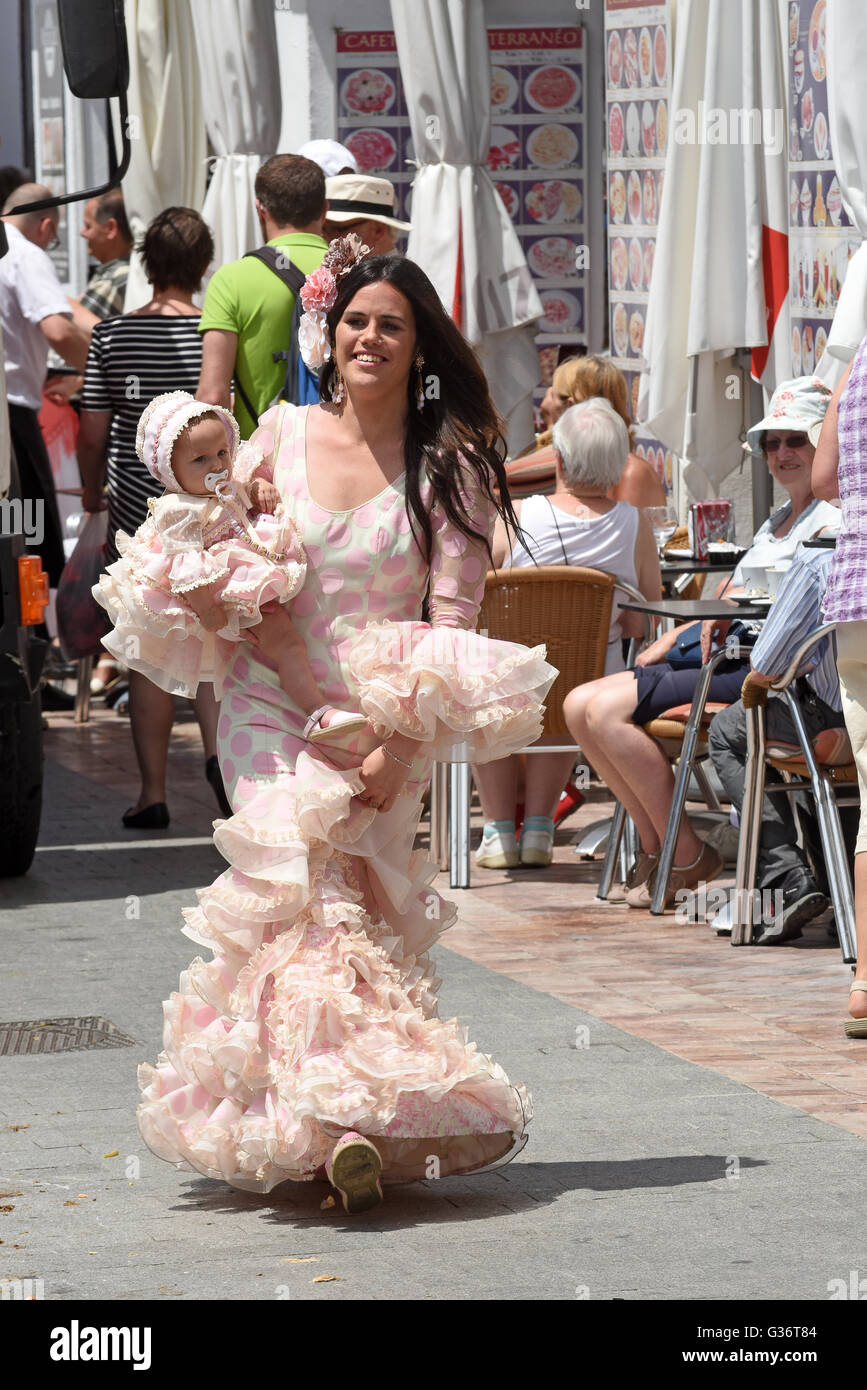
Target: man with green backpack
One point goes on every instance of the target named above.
(249, 318)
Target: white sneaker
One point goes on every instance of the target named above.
(537, 847)
(498, 850)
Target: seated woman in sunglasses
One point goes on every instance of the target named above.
(607, 716)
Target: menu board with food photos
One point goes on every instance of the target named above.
(822, 239)
(638, 58)
(536, 155)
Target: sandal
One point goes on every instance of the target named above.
(343, 723)
(353, 1169)
(857, 1027)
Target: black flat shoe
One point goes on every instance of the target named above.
(215, 777)
(155, 817)
(54, 699)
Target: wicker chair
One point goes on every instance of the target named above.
(568, 609)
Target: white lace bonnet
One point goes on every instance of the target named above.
(163, 420)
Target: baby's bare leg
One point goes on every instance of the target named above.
(286, 648)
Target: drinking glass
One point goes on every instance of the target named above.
(664, 523)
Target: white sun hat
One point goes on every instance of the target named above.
(795, 405)
(352, 197)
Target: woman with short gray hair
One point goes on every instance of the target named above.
(577, 525)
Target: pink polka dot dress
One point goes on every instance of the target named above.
(317, 1012)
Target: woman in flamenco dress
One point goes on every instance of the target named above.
(310, 1045)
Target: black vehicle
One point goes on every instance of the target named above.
(96, 62)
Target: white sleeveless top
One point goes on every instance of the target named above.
(602, 543)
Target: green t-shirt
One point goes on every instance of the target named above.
(247, 298)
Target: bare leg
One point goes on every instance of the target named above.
(599, 716)
(546, 776)
(497, 785)
(207, 713)
(151, 715)
(858, 1000)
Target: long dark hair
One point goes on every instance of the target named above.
(460, 421)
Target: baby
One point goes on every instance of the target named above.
(217, 546)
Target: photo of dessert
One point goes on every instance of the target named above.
(796, 351)
(374, 150)
(636, 332)
(648, 128)
(633, 129)
(816, 41)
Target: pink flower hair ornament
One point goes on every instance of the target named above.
(318, 294)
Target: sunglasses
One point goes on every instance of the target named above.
(791, 441)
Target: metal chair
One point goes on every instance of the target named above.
(818, 778)
(568, 609)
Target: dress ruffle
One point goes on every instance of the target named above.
(465, 696)
(317, 1013)
(158, 634)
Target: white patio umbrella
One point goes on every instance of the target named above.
(462, 236)
(167, 124)
(237, 49)
(846, 46)
(721, 271)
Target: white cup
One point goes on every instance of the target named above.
(774, 576)
(754, 577)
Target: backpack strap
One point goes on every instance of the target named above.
(277, 260)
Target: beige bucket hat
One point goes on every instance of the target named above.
(355, 196)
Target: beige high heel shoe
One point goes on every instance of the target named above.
(857, 1027)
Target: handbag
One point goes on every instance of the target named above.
(685, 655)
(81, 622)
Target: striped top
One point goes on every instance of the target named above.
(133, 358)
(795, 613)
(846, 596)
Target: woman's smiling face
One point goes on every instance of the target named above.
(790, 458)
(375, 339)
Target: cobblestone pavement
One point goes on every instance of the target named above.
(699, 1113)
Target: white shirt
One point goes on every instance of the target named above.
(601, 543)
(768, 549)
(29, 292)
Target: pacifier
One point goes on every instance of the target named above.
(213, 480)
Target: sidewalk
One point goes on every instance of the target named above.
(698, 1111)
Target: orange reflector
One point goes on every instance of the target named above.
(32, 588)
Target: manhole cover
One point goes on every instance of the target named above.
(61, 1035)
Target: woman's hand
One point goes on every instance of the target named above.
(658, 650)
(383, 779)
(94, 500)
(713, 633)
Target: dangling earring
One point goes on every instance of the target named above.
(419, 389)
(337, 386)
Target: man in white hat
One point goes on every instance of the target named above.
(364, 205)
(332, 157)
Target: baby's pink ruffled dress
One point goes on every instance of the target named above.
(317, 1010)
(188, 543)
